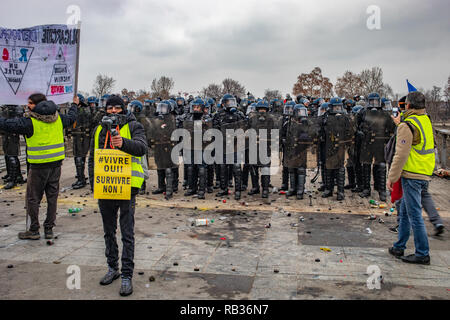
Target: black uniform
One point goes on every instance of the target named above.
(375, 127)
(262, 121)
(11, 148)
(159, 135)
(338, 133)
(223, 120)
(81, 132)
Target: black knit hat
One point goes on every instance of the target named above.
(115, 101)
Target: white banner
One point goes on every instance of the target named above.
(38, 59)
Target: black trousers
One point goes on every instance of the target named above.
(40, 181)
(109, 210)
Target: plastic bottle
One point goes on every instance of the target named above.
(75, 210)
(373, 202)
(203, 222)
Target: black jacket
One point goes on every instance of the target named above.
(136, 146)
(24, 125)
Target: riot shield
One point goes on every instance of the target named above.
(338, 136)
(300, 135)
(158, 134)
(231, 135)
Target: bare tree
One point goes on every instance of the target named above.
(270, 94)
(371, 80)
(212, 91)
(313, 84)
(103, 85)
(161, 87)
(349, 85)
(233, 87)
(433, 103)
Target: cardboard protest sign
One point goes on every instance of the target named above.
(38, 59)
(112, 174)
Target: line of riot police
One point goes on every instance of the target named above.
(344, 134)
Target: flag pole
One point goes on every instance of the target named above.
(77, 65)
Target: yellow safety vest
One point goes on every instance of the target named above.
(137, 172)
(47, 142)
(421, 158)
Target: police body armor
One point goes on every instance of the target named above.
(261, 122)
(159, 137)
(299, 136)
(377, 126)
(81, 131)
(338, 136)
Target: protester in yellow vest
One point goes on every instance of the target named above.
(43, 127)
(130, 139)
(414, 163)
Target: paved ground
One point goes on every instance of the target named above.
(253, 262)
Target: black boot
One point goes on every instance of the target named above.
(201, 182)
(230, 176)
(323, 184)
(285, 179)
(142, 189)
(366, 181)
(223, 181)
(376, 181)
(301, 183)
(340, 181)
(217, 174)
(12, 174)
(237, 181)
(192, 181)
(81, 183)
(185, 174)
(19, 177)
(6, 177)
(254, 174)
(245, 173)
(382, 181)
(161, 182)
(359, 180)
(176, 176)
(329, 183)
(265, 182)
(292, 180)
(210, 179)
(351, 178)
(169, 183)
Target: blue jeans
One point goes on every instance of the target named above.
(410, 215)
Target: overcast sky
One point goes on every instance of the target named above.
(262, 43)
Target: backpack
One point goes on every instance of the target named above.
(389, 149)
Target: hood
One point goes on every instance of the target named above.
(45, 111)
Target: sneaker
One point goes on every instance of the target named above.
(126, 288)
(412, 258)
(110, 276)
(48, 233)
(394, 229)
(439, 230)
(396, 252)
(29, 235)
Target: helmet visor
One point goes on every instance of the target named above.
(288, 110)
(230, 103)
(162, 108)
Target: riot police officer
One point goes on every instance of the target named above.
(288, 112)
(321, 146)
(159, 135)
(197, 172)
(81, 132)
(229, 118)
(260, 121)
(375, 127)
(11, 149)
(300, 134)
(338, 134)
(354, 168)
